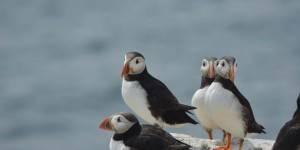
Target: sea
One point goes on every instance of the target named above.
(61, 62)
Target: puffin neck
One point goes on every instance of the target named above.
(226, 83)
(134, 130)
(205, 81)
(135, 77)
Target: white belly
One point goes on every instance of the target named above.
(201, 111)
(117, 145)
(136, 99)
(225, 109)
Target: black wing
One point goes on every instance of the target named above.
(154, 138)
(163, 103)
(252, 125)
(164, 135)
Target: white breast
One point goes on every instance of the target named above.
(136, 99)
(225, 109)
(201, 111)
(117, 145)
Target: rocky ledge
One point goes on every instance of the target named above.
(205, 144)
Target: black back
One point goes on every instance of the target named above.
(149, 137)
(251, 125)
(162, 103)
(289, 135)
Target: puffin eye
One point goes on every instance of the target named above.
(137, 61)
(119, 120)
(223, 64)
(203, 64)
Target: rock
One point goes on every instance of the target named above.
(206, 144)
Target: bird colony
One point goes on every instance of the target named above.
(218, 105)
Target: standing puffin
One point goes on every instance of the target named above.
(228, 108)
(149, 98)
(289, 135)
(208, 66)
(130, 135)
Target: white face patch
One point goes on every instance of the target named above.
(137, 65)
(223, 69)
(121, 124)
(205, 67)
(235, 66)
(215, 66)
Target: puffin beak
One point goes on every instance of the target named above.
(211, 70)
(231, 73)
(106, 124)
(125, 69)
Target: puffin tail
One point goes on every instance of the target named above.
(180, 147)
(256, 128)
(186, 107)
(178, 117)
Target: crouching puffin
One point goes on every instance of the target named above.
(228, 108)
(130, 135)
(208, 66)
(289, 135)
(149, 98)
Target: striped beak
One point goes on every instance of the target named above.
(231, 73)
(211, 70)
(106, 124)
(124, 70)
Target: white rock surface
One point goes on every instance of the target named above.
(205, 144)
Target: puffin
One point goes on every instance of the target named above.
(130, 135)
(289, 135)
(228, 108)
(208, 66)
(149, 98)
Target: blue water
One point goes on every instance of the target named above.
(61, 62)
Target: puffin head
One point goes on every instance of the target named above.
(226, 67)
(297, 112)
(134, 63)
(298, 101)
(208, 67)
(119, 123)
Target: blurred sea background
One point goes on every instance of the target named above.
(61, 62)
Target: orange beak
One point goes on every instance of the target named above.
(231, 73)
(124, 70)
(211, 70)
(106, 124)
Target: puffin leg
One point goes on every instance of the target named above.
(210, 135)
(227, 147)
(224, 136)
(241, 144)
